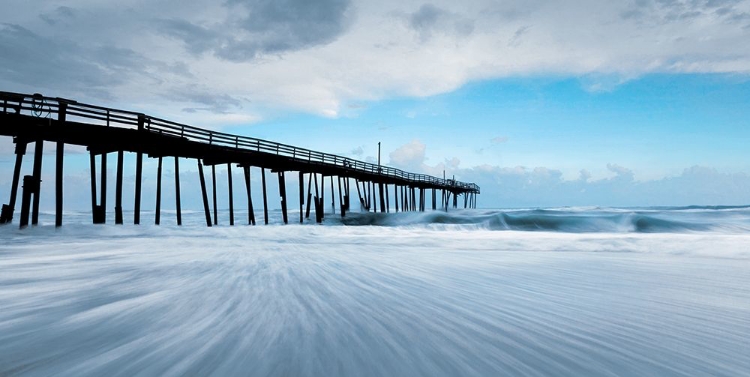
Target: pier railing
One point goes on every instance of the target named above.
(49, 107)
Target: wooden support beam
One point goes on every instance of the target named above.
(301, 197)
(138, 178)
(434, 199)
(369, 197)
(265, 197)
(341, 200)
(29, 184)
(118, 188)
(359, 193)
(38, 155)
(318, 202)
(250, 211)
(333, 195)
(231, 194)
(103, 194)
(387, 200)
(382, 197)
(213, 183)
(177, 200)
(157, 211)
(6, 216)
(206, 211)
(59, 156)
(395, 196)
(282, 192)
(92, 169)
(322, 196)
(309, 195)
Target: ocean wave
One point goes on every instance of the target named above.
(568, 220)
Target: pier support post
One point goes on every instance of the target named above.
(118, 189)
(282, 192)
(213, 185)
(318, 202)
(92, 170)
(309, 195)
(29, 186)
(301, 197)
(6, 215)
(381, 197)
(359, 194)
(322, 198)
(434, 199)
(250, 211)
(341, 200)
(395, 196)
(265, 197)
(387, 200)
(333, 196)
(38, 149)
(231, 194)
(178, 202)
(59, 156)
(138, 178)
(157, 211)
(205, 195)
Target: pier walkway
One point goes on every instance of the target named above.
(33, 118)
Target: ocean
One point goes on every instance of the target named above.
(517, 292)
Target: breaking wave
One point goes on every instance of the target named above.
(726, 219)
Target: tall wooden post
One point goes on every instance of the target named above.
(178, 202)
(282, 192)
(382, 197)
(6, 215)
(250, 211)
(205, 195)
(157, 211)
(138, 177)
(265, 197)
(59, 156)
(38, 149)
(341, 199)
(301, 197)
(213, 180)
(29, 184)
(309, 195)
(231, 194)
(103, 194)
(92, 163)
(118, 189)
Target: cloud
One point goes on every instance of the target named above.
(256, 27)
(430, 19)
(409, 156)
(358, 151)
(499, 140)
(319, 56)
(508, 187)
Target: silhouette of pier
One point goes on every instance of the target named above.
(33, 118)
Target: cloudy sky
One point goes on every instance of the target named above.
(542, 103)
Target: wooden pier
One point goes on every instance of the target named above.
(35, 119)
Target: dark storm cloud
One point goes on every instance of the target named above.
(265, 27)
(429, 19)
(61, 65)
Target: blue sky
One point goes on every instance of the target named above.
(622, 103)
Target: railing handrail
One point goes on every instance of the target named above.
(40, 105)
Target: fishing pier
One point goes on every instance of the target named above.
(33, 118)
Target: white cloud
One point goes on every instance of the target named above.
(319, 61)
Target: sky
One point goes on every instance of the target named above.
(541, 103)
